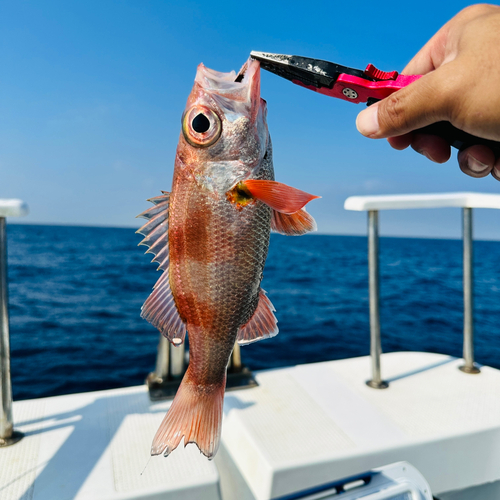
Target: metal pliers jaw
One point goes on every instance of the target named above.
(333, 79)
(369, 85)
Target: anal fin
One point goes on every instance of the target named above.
(262, 325)
(161, 311)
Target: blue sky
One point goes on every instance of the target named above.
(91, 94)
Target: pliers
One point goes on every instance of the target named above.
(355, 85)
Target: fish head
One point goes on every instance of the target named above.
(224, 134)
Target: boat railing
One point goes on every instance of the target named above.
(372, 205)
(171, 362)
(8, 436)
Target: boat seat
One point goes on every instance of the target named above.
(316, 423)
(95, 446)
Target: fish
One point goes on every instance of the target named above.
(210, 237)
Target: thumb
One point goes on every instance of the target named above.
(415, 106)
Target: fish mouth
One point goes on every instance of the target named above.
(243, 86)
(249, 73)
(247, 70)
(241, 74)
(235, 94)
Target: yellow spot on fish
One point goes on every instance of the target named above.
(240, 196)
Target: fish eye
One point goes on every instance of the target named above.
(201, 126)
(200, 123)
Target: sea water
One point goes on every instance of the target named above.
(76, 294)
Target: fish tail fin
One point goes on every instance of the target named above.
(196, 415)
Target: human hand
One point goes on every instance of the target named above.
(461, 68)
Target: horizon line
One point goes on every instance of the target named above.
(360, 235)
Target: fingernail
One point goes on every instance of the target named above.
(475, 165)
(472, 166)
(426, 154)
(367, 121)
(496, 172)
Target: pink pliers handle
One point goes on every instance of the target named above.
(356, 89)
(355, 85)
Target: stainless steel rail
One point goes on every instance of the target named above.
(372, 204)
(162, 368)
(235, 359)
(170, 367)
(465, 200)
(374, 289)
(469, 366)
(177, 361)
(7, 434)
(171, 364)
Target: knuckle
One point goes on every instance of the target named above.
(393, 117)
(460, 105)
(454, 108)
(478, 9)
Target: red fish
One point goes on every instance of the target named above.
(210, 236)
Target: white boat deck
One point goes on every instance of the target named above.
(303, 426)
(312, 424)
(94, 446)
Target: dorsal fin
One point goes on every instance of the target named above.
(160, 308)
(262, 325)
(155, 230)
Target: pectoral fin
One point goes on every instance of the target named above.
(295, 224)
(280, 197)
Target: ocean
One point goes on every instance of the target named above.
(75, 296)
